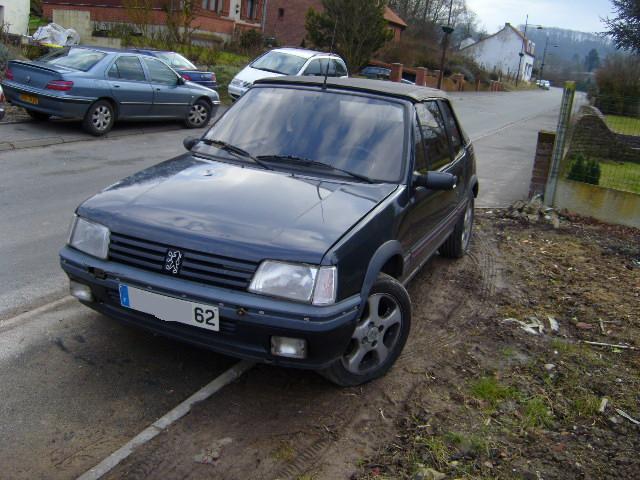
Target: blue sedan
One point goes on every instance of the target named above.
(101, 86)
(184, 67)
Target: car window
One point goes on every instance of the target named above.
(176, 60)
(316, 67)
(339, 68)
(279, 62)
(420, 164)
(75, 58)
(160, 73)
(452, 127)
(127, 68)
(353, 132)
(434, 135)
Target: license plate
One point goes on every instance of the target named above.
(170, 309)
(32, 99)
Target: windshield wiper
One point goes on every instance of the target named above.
(314, 163)
(237, 151)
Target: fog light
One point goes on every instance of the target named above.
(80, 291)
(289, 347)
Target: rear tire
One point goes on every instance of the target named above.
(378, 338)
(199, 114)
(38, 116)
(99, 119)
(457, 245)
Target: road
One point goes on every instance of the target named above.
(76, 386)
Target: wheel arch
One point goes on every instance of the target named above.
(114, 104)
(386, 259)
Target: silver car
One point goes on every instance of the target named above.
(101, 86)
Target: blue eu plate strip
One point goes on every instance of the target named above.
(124, 296)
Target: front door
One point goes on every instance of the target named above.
(170, 97)
(423, 225)
(130, 87)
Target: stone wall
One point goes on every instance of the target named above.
(592, 137)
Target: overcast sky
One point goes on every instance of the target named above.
(582, 15)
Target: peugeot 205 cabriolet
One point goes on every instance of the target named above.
(288, 231)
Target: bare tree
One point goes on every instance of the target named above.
(180, 17)
(140, 14)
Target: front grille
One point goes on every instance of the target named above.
(196, 266)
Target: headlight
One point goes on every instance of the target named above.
(89, 237)
(303, 283)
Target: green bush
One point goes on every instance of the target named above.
(4, 57)
(251, 40)
(584, 170)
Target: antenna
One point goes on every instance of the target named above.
(333, 40)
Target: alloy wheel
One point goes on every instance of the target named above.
(467, 226)
(198, 114)
(375, 336)
(101, 117)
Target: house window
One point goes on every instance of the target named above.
(251, 8)
(280, 13)
(213, 5)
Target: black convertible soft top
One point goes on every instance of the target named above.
(380, 87)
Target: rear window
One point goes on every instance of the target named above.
(279, 62)
(75, 58)
(176, 60)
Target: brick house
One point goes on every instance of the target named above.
(223, 17)
(285, 20)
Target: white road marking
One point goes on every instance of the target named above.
(163, 422)
(23, 317)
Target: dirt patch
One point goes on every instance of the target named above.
(471, 396)
(14, 114)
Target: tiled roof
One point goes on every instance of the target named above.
(392, 17)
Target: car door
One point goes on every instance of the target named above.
(171, 98)
(422, 227)
(129, 87)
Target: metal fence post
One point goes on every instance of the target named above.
(566, 108)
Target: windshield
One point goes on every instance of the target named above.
(76, 58)
(355, 133)
(279, 62)
(176, 60)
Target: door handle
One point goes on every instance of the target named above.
(116, 86)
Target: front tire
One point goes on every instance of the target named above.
(199, 114)
(378, 338)
(99, 118)
(457, 245)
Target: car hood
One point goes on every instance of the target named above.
(237, 211)
(250, 74)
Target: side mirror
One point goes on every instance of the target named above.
(190, 142)
(181, 81)
(436, 181)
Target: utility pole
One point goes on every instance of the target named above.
(522, 49)
(544, 56)
(448, 30)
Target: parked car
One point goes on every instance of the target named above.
(380, 73)
(101, 86)
(289, 242)
(287, 61)
(2, 100)
(184, 67)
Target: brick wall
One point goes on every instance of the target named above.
(113, 11)
(542, 162)
(285, 20)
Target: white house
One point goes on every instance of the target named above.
(502, 52)
(14, 16)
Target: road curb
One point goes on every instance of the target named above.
(56, 140)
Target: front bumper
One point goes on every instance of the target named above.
(65, 106)
(247, 321)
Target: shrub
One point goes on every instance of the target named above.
(4, 57)
(584, 170)
(251, 40)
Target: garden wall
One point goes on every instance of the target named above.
(604, 204)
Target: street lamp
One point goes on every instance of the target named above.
(523, 49)
(448, 30)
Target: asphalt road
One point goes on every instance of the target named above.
(75, 386)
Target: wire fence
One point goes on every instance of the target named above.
(604, 145)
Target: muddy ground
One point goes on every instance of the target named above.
(472, 396)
